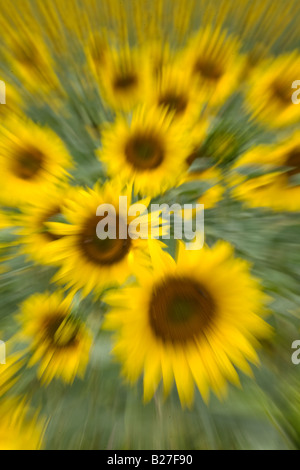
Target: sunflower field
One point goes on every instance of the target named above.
(138, 342)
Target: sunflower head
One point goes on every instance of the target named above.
(122, 81)
(174, 90)
(277, 183)
(32, 158)
(150, 150)
(60, 342)
(269, 94)
(213, 62)
(194, 320)
(35, 236)
(101, 260)
(32, 61)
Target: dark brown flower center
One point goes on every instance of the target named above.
(180, 310)
(282, 93)
(293, 161)
(61, 331)
(103, 252)
(174, 102)
(144, 152)
(208, 69)
(28, 163)
(125, 82)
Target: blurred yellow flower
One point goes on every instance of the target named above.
(31, 158)
(278, 185)
(269, 91)
(193, 320)
(151, 150)
(87, 262)
(122, 80)
(174, 90)
(59, 342)
(34, 235)
(31, 59)
(212, 59)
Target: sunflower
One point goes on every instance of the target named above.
(88, 262)
(34, 235)
(212, 60)
(31, 159)
(269, 92)
(59, 341)
(150, 150)
(174, 90)
(122, 81)
(31, 60)
(193, 320)
(19, 430)
(268, 176)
